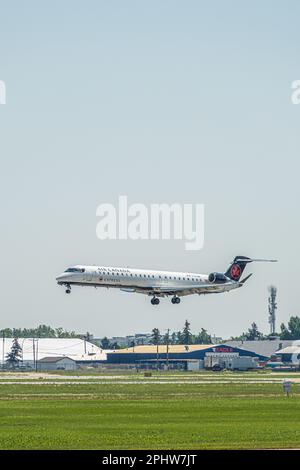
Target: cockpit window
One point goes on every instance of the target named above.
(74, 270)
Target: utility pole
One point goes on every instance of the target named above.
(23, 351)
(33, 352)
(155, 340)
(37, 355)
(272, 309)
(168, 341)
(3, 345)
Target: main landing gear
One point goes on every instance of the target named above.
(155, 300)
(68, 289)
(175, 300)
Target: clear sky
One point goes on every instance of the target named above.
(162, 101)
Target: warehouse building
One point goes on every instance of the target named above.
(182, 357)
(33, 349)
(266, 348)
(290, 354)
(56, 363)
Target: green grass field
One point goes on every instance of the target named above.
(171, 415)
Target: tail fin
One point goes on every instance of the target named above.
(238, 265)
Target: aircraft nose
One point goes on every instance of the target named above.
(60, 277)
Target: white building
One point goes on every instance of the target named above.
(290, 354)
(56, 363)
(34, 349)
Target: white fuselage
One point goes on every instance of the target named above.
(158, 283)
(139, 279)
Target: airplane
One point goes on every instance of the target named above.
(156, 283)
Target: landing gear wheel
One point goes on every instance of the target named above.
(175, 300)
(155, 301)
(68, 289)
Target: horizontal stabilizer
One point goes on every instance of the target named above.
(245, 278)
(250, 260)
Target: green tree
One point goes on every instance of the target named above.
(179, 337)
(6, 333)
(284, 332)
(105, 344)
(42, 331)
(59, 332)
(292, 331)
(155, 338)
(187, 336)
(294, 327)
(14, 356)
(166, 338)
(174, 339)
(203, 337)
(253, 333)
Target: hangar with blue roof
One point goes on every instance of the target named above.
(204, 354)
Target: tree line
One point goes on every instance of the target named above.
(184, 336)
(291, 331)
(41, 331)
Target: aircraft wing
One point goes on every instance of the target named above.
(180, 292)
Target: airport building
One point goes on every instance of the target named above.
(290, 354)
(56, 363)
(72, 353)
(189, 357)
(36, 349)
(127, 341)
(266, 348)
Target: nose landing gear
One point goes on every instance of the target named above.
(155, 300)
(68, 289)
(175, 300)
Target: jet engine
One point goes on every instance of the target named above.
(217, 278)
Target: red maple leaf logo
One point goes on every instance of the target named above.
(235, 271)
